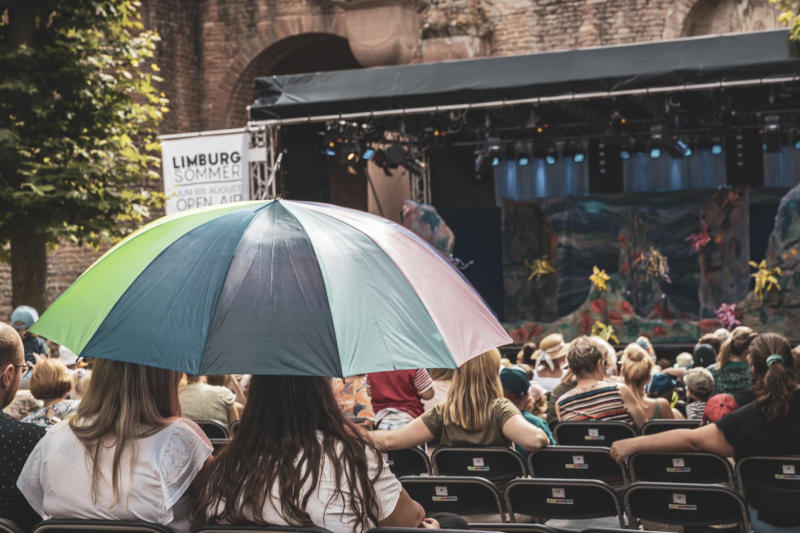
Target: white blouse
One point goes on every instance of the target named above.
(57, 478)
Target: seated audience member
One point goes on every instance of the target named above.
(352, 395)
(718, 407)
(17, 439)
(22, 319)
(732, 372)
(645, 343)
(722, 334)
(636, 368)
(684, 360)
(397, 396)
(23, 403)
(548, 370)
(714, 340)
(516, 387)
(704, 356)
(594, 398)
(770, 425)
(662, 385)
(474, 414)
(125, 455)
(302, 463)
(229, 382)
(442, 381)
(526, 355)
(201, 401)
(699, 388)
(51, 383)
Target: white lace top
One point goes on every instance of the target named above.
(57, 478)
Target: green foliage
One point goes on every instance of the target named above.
(790, 15)
(78, 116)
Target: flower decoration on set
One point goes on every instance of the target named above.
(539, 267)
(605, 332)
(599, 278)
(766, 278)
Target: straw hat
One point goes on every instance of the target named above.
(554, 346)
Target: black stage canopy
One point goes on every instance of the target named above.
(696, 62)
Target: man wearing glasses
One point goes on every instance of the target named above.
(17, 439)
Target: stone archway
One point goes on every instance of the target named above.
(686, 18)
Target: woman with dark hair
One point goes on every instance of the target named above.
(770, 425)
(297, 460)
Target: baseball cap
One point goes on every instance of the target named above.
(23, 317)
(704, 355)
(699, 380)
(660, 383)
(718, 406)
(515, 381)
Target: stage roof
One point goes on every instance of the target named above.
(584, 73)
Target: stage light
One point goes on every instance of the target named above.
(772, 134)
(551, 156)
(523, 150)
(655, 152)
(680, 148)
(495, 161)
(368, 153)
(716, 145)
(330, 152)
(624, 153)
(797, 144)
(574, 150)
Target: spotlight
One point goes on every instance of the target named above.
(797, 144)
(772, 134)
(575, 151)
(523, 151)
(679, 148)
(551, 154)
(655, 152)
(368, 154)
(624, 153)
(716, 145)
(495, 161)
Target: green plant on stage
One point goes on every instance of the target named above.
(78, 116)
(539, 267)
(605, 332)
(766, 278)
(790, 15)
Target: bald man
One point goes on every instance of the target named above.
(17, 439)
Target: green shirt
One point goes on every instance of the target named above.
(454, 435)
(735, 377)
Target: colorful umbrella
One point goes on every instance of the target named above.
(274, 287)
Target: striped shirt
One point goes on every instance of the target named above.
(602, 403)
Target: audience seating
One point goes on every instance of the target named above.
(680, 467)
(213, 429)
(263, 529)
(417, 530)
(409, 462)
(576, 462)
(659, 425)
(688, 505)
(507, 527)
(70, 525)
(219, 444)
(610, 530)
(462, 495)
(7, 526)
(773, 485)
(497, 464)
(568, 499)
(586, 433)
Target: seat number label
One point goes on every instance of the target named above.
(478, 465)
(678, 466)
(442, 496)
(679, 503)
(559, 497)
(577, 463)
(594, 434)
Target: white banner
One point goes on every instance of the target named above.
(205, 171)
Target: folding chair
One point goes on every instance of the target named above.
(409, 462)
(416, 530)
(680, 467)
(213, 429)
(461, 495)
(610, 530)
(688, 505)
(262, 529)
(771, 485)
(590, 433)
(576, 462)
(497, 464)
(658, 425)
(507, 527)
(70, 525)
(219, 444)
(568, 499)
(8, 526)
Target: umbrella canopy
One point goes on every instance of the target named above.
(274, 287)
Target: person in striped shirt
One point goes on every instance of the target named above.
(594, 398)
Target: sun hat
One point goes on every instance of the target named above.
(554, 346)
(660, 384)
(700, 381)
(23, 317)
(684, 360)
(704, 355)
(515, 381)
(718, 406)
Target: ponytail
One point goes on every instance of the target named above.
(776, 381)
(736, 344)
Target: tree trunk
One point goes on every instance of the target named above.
(28, 270)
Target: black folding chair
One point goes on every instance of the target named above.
(612, 530)
(416, 530)
(461, 495)
(219, 444)
(586, 433)
(262, 529)
(214, 429)
(687, 505)
(497, 464)
(680, 467)
(576, 462)
(771, 485)
(70, 525)
(507, 527)
(660, 425)
(8, 526)
(409, 462)
(568, 499)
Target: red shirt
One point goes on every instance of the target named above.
(399, 389)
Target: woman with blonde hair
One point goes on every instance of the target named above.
(51, 383)
(125, 455)
(637, 367)
(731, 372)
(474, 414)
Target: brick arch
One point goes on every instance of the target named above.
(676, 18)
(686, 18)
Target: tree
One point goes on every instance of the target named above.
(790, 15)
(78, 118)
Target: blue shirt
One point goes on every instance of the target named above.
(539, 423)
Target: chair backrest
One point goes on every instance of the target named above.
(686, 504)
(658, 425)
(409, 462)
(263, 529)
(613, 530)
(771, 485)
(497, 464)
(213, 429)
(588, 433)
(576, 462)
(461, 495)
(680, 467)
(562, 498)
(234, 427)
(219, 444)
(8, 526)
(416, 530)
(72, 525)
(508, 527)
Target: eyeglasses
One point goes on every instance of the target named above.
(26, 368)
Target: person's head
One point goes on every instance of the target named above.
(552, 351)
(645, 343)
(525, 355)
(736, 345)
(50, 380)
(718, 407)
(586, 358)
(636, 367)
(476, 386)
(684, 360)
(722, 334)
(774, 373)
(699, 384)
(23, 317)
(516, 384)
(713, 340)
(610, 355)
(124, 402)
(12, 363)
(704, 355)
(661, 386)
(301, 427)
(82, 381)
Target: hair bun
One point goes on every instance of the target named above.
(636, 354)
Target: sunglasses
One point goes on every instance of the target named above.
(26, 368)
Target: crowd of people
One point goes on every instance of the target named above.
(115, 440)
